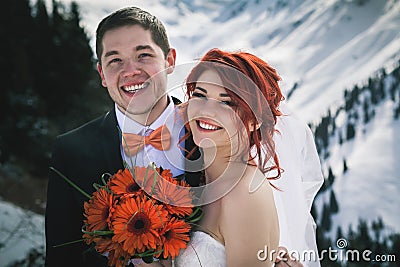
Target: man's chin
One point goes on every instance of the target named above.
(138, 114)
(139, 111)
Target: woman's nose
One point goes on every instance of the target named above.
(211, 107)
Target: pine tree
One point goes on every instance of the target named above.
(374, 92)
(321, 134)
(394, 249)
(363, 240)
(333, 128)
(349, 102)
(397, 109)
(44, 55)
(314, 212)
(43, 51)
(326, 221)
(76, 74)
(366, 111)
(331, 177)
(334, 206)
(379, 240)
(350, 132)
(381, 85)
(339, 233)
(340, 138)
(345, 168)
(18, 103)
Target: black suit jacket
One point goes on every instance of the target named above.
(83, 155)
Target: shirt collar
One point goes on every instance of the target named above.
(128, 125)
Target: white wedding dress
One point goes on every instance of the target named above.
(203, 251)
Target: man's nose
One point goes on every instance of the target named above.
(131, 68)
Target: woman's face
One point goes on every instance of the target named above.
(212, 120)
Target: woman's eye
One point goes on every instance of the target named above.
(195, 94)
(228, 103)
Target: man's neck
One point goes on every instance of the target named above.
(148, 118)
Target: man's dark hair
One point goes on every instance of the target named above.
(132, 16)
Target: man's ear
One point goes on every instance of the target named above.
(100, 70)
(170, 61)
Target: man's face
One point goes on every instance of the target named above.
(134, 70)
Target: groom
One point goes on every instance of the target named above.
(134, 60)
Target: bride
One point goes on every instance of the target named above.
(229, 113)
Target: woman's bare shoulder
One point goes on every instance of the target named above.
(251, 194)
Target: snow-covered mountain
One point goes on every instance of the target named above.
(320, 48)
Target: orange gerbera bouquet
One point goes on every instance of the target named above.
(140, 212)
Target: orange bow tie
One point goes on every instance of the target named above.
(160, 139)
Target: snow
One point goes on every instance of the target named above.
(370, 188)
(325, 46)
(20, 232)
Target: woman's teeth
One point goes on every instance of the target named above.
(207, 126)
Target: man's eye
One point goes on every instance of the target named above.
(144, 55)
(114, 60)
(195, 94)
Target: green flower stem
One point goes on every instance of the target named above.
(69, 243)
(195, 216)
(71, 183)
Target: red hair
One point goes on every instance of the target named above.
(252, 85)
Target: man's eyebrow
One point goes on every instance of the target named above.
(111, 53)
(144, 47)
(137, 48)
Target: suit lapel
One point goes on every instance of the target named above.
(111, 142)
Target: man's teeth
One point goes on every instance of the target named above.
(135, 87)
(207, 126)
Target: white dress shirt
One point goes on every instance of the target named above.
(173, 158)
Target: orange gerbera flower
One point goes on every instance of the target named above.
(146, 178)
(175, 195)
(123, 183)
(89, 238)
(174, 237)
(166, 173)
(98, 210)
(136, 223)
(117, 256)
